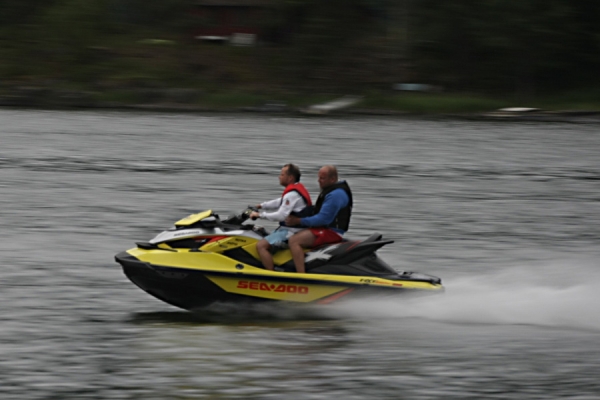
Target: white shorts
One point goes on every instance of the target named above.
(279, 237)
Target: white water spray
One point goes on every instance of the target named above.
(560, 295)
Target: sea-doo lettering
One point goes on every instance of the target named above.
(272, 288)
(187, 233)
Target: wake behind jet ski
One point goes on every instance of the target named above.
(203, 259)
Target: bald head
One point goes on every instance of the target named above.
(327, 176)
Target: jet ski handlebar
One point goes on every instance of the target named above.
(249, 211)
(242, 217)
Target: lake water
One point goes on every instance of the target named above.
(506, 213)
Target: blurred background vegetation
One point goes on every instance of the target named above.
(464, 54)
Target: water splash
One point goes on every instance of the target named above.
(559, 295)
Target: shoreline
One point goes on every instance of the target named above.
(588, 116)
(184, 101)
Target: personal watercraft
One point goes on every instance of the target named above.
(203, 259)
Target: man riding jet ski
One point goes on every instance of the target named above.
(295, 200)
(203, 259)
(330, 219)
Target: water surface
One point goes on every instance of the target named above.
(507, 214)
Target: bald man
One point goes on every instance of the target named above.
(330, 220)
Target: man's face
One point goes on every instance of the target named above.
(284, 178)
(324, 179)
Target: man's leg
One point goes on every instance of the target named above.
(299, 241)
(262, 247)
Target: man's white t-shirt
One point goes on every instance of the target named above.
(292, 201)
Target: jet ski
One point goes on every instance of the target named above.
(203, 259)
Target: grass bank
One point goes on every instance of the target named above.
(186, 98)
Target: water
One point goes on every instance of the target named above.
(507, 214)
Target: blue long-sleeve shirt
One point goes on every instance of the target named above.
(332, 204)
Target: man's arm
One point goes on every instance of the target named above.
(271, 204)
(288, 203)
(332, 204)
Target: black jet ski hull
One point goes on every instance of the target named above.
(179, 287)
(192, 289)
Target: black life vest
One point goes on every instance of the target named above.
(342, 219)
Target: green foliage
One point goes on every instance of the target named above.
(317, 34)
(229, 99)
(14, 12)
(512, 49)
(496, 45)
(72, 25)
(431, 102)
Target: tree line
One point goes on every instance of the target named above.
(525, 47)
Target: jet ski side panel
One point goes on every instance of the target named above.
(282, 290)
(193, 289)
(194, 279)
(181, 288)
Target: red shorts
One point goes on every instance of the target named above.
(325, 236)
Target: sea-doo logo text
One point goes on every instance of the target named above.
(187, 233)
(281, 288)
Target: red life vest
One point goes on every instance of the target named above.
(301, 190)
(298, 187)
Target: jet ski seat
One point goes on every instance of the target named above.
(376, 236)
